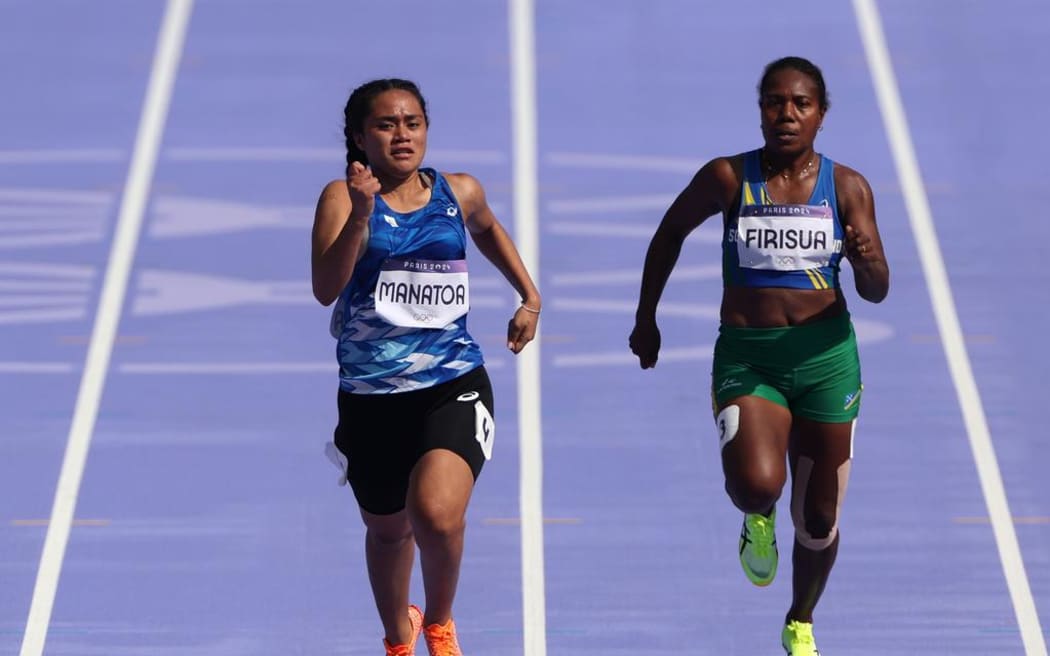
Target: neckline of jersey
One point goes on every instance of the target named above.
(812, 194)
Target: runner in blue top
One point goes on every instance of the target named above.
(401, 322)
(786, 382)
(415, 404)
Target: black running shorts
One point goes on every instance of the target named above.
(383, 436)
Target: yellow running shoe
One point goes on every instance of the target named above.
(441, 639)
(758, 547)
(797, 639)
(415, 617)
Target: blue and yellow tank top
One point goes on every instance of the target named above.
(770, 244)
(401, 321)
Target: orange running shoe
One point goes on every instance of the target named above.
(415, 617)
(441, 639)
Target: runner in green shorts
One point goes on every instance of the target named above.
(786, 378)
(813, 369)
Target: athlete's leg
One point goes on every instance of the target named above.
(438, 494)
(389, 551)
(754, 440)
(753, 435)
(377, 470)
(820, 457)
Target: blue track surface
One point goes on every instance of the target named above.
(209, 522)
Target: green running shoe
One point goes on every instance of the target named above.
(797, 639)
(758, 547)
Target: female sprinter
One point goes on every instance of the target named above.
(786, 381)
(415, 404)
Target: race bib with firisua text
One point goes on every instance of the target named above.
(785, 237)
(422, 293)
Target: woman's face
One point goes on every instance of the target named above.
(791, 112)
(394, 136)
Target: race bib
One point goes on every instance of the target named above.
(422, 293)
(785, 237)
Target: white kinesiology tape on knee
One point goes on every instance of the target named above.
(803, 471)
(728, 422)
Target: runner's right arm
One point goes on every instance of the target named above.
(340, 231)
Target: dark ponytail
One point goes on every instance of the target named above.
(359, 106)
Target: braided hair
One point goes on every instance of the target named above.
(359, 106)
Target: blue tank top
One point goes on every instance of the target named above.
(413, 260)
(770, 244)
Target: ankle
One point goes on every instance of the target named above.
(436, 620)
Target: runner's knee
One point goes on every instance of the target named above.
(815, 514)
(435, 520)
(389, 534)
(819, 526)
(816, 533)
(754, 495)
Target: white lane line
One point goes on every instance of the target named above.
(896, 123)
(526, 229)
(129, 222)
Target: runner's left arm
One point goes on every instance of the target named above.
(863, 245)
(496, 245)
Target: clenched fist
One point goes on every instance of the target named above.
(362, 187)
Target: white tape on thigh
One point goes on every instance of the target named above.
(728, 422)
(803, 472)
(338, 459)
(484, 428)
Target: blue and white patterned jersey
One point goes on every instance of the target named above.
(401, 321)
